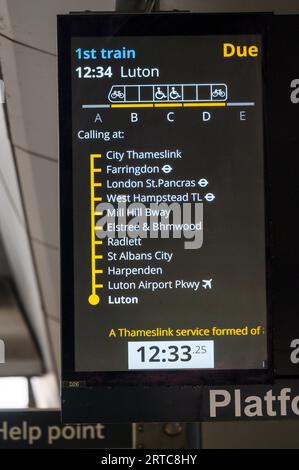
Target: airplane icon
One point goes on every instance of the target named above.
(207, 283)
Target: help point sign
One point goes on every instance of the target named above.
(43, 429)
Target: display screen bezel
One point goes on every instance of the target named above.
(174, 24)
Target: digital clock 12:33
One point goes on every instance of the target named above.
(171, 354)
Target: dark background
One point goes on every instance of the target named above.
(283, 172)
(226, 151)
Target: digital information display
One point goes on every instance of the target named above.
(165, 212)
(168, 203)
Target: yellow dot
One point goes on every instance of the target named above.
(93, 299)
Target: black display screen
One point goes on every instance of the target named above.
(169, 244)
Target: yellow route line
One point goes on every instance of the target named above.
(168, 105)
(145, 105)
(93, 298)
(202, 105)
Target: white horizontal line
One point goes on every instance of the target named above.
(95, 105)
(249, 103)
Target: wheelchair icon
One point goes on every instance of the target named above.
(159, 95)
(174, 95)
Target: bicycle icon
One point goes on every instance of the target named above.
(218, 93)
(117, 95)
